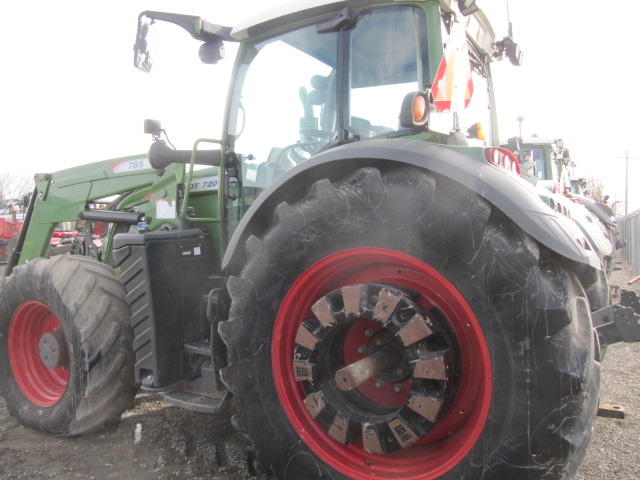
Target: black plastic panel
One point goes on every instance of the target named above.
(166, 275)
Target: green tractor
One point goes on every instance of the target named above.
(547, 164)
(356, 263)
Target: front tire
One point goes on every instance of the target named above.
(493, 372)
(66, 348)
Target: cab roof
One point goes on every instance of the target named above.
(477, 24)
(251, 26)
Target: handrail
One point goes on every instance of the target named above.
(187, 188)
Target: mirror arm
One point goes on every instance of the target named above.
(197, 27)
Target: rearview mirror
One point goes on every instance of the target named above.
(142, 58)
(212, 34)
(514, 144)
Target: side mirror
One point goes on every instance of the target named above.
(142, 58)
(514, 144)
(212, 34)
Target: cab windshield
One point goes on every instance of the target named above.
(539, 155)
(299, 91)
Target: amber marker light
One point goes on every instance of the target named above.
(419, 109)
(414, 113)
(475, 131)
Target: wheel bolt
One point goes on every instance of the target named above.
(362, 349)
(397, 388)
(379, 383)
(368, 332)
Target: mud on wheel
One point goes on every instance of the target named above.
(393, 325)
(66, 353)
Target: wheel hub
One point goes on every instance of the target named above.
(374, 366)
(52, 349)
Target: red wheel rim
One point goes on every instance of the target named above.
(460, 427)
(41, 385)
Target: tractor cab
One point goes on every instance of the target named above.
(305, 82)
(360, 74)
(547, 163)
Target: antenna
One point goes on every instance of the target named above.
(509, 20)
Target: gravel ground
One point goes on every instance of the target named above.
(155, 441)
(613, 453)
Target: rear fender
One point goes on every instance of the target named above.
(600, 210)
(594, 228)
(510, 194)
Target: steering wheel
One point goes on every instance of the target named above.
(294, 154)
(312, 133)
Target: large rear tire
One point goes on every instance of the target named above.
(487, 338)
(66, 346)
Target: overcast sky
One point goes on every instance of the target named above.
(70, 95)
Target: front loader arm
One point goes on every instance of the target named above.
(61, 196)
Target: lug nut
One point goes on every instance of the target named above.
(379, 383)
(362, 349)
(368, 332)
(397, 388)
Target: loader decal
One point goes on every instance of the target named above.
(129, 166)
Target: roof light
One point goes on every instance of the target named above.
(503, 158)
